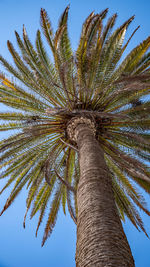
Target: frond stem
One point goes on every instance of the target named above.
(69, 187)
(71, 146)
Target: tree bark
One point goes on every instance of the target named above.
(100, 237)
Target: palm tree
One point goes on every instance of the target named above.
(79, 138)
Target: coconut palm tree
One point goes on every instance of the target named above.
(79, 138)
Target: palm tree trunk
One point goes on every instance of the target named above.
(100, 237)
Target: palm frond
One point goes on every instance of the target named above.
(53, 214)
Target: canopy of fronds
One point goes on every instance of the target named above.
(93, 82)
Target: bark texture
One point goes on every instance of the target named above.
(100, 237)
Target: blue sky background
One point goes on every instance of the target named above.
(19, 247)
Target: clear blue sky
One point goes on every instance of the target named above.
(19, 247)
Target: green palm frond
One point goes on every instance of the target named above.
(53, 213)
(47, 28)
(92, 82)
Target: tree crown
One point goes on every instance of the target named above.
(92, 85)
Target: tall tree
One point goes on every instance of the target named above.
(80, 140)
